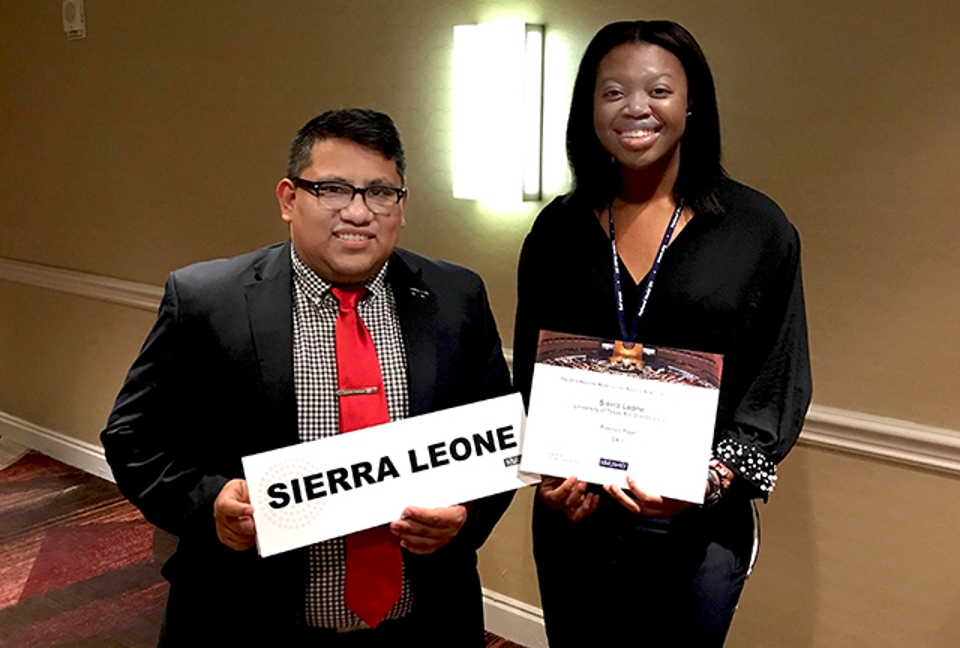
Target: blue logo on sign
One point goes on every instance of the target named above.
(613, 463)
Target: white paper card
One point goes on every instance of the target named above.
(315, 491)
(601, 410)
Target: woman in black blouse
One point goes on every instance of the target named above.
(624, 567)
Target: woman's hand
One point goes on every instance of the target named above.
(636, 501)
(569, 495)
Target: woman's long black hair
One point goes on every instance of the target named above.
(596, 177)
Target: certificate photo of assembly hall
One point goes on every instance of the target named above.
(604, 409)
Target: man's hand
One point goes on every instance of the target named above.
(423, 530)
(234, 516)
(636, 501)
(570, 495)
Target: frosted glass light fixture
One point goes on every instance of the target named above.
(497, 111)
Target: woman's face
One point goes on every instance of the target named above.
(640, 105)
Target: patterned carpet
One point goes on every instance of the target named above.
(79, 566)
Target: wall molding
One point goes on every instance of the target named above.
(73, 452)
(514, 620)
(864, 435)
(879, 437)
(117, 291)
(826, 427)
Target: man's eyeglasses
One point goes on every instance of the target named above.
(379, 199)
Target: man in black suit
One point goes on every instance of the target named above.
(242, 360)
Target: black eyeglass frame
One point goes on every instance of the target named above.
(313, 186)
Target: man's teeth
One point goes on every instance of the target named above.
(353, 237)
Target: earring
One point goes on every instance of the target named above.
(689, 113)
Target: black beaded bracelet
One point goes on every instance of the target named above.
(716, 490)
(719, 479)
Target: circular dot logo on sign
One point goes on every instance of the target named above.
(300, 511)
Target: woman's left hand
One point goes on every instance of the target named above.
(636, 501)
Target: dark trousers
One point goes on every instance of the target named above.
(389, 634)
(237, 599)
(408, 631)
(619, 579)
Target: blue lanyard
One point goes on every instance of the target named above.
(648, 284)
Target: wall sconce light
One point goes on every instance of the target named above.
(497, 111)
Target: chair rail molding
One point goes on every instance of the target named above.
(902, 442)
(826, 427)
(117, 291)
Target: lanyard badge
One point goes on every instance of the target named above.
(647, 287)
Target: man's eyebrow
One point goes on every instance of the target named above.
(380, 182)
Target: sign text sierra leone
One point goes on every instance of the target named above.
(436, 455)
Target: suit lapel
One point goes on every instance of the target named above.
(269, 294)
(416, 309)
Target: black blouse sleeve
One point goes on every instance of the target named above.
(526, 328)
(768, 420)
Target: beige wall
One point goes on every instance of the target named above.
(158, 139)
(855, 553)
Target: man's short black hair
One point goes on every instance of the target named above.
(596, 181)
(368, 128)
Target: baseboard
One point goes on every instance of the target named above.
(514, 620)
(80, 454)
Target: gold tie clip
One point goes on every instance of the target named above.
(356, 392)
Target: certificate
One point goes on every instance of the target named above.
(603, 409)
(310, 492)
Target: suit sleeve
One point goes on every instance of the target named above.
(493, 380)
(146, 439)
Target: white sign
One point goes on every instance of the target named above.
(601, 410)
(310, 492)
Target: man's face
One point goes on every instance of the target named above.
(351, 244)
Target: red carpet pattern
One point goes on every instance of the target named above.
(79, 566)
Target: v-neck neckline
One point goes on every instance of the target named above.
(605, 236)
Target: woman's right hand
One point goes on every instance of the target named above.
(569, 495)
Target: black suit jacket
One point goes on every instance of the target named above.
(214, 382)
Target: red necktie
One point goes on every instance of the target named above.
(374, 571)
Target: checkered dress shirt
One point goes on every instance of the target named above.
(315, 377)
